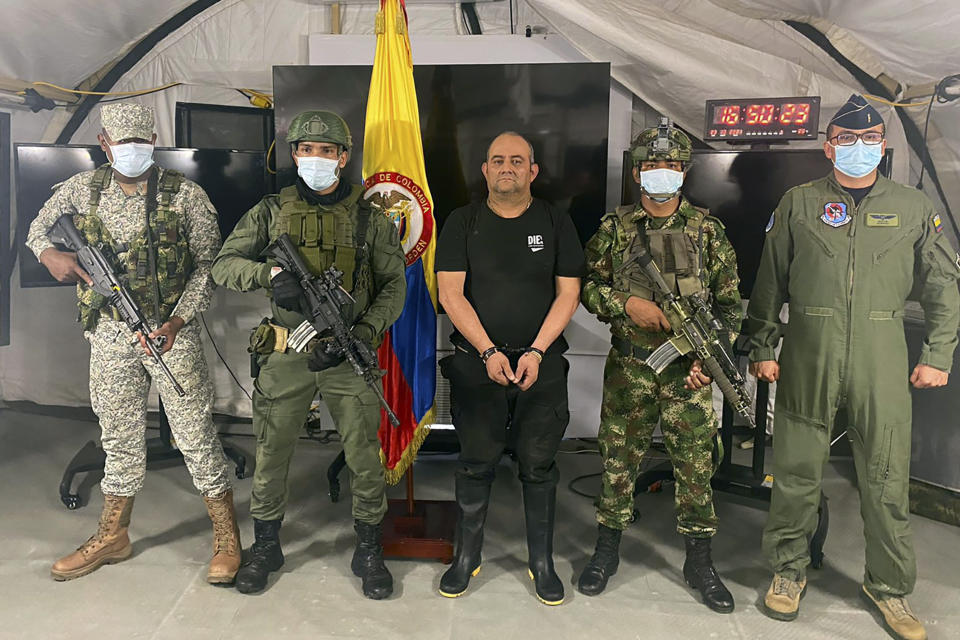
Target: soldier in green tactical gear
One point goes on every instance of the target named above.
(332, 225)
(845, 251)
(695, 257)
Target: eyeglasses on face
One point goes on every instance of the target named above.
(847, 138)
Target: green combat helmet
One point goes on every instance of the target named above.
(320, 126)
(661, 143)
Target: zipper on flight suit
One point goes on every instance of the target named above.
(851, 268)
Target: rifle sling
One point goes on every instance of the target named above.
(151, 208)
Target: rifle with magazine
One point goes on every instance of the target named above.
(325, 301)
(108, 284)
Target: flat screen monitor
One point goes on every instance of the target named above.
(742, 188)
(234, 180)
(214, 126)
(562, 109)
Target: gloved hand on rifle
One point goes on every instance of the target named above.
(321, 359)
(287, 291)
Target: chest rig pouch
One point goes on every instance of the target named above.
(329, 235)
(172, 252)
(678, 253)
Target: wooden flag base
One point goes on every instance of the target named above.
(419, 528)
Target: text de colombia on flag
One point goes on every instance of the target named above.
(396, 184)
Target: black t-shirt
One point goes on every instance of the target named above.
(511, 264)
(858, 194)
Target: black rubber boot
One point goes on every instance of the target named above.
(603, 564)
(539, 505)
(700, 574)
(367, 562)
(265, 556)
(473, 496)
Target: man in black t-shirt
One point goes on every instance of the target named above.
(509, 274)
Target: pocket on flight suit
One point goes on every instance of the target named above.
(890, 472)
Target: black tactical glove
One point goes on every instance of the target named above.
(287, 291)
(321, 359)
(364, 332)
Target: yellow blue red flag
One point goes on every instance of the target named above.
(396, 184)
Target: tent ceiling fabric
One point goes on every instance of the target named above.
(64, 42)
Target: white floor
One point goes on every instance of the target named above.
(160, 592)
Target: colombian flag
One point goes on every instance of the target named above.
(396, 184)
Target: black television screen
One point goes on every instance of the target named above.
(214, 126)
(563, 109)
(742, 188)
(234, 180)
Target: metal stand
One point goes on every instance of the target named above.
(91, 457)
(749, 482)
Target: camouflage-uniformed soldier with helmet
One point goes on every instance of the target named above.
(690, 249)
(110, 209)
(331, 224)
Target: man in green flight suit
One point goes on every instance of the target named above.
(331, 224)
(695, 257)
(845, 251)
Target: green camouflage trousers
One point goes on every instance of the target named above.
(634, 399)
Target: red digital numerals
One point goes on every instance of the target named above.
(760, 114)
(728, 115)
(795, 113)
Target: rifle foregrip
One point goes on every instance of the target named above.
(715, 371)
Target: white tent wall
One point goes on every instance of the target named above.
(235, 43)
(673, 55)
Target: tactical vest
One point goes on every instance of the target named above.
(328, 235)
(678, 253)
(172, 251)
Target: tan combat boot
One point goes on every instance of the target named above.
(782, 601)
(226, 539)
(897, 617)
(109, 545)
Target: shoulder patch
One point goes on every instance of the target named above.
(937, 223)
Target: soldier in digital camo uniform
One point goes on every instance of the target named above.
(108, 206)
(694, 255)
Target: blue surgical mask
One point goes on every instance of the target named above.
(318, 173)
(661, 184)
(858, 159)
(132, 159)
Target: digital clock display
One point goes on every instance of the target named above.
(757, 120)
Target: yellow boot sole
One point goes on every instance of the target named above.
(549, 603)
(474, 574)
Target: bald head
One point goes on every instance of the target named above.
(511, 134)
(510, 166)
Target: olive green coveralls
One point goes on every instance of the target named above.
(844, 347)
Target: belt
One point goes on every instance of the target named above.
(627, 348)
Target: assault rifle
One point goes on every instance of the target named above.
(695, 330)
(325, 301)
(108, 284)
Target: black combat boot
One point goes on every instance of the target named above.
(603, 564)
(367, 561)
(699, 573)
(473, 496)
(539, 505)
(265, 556)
